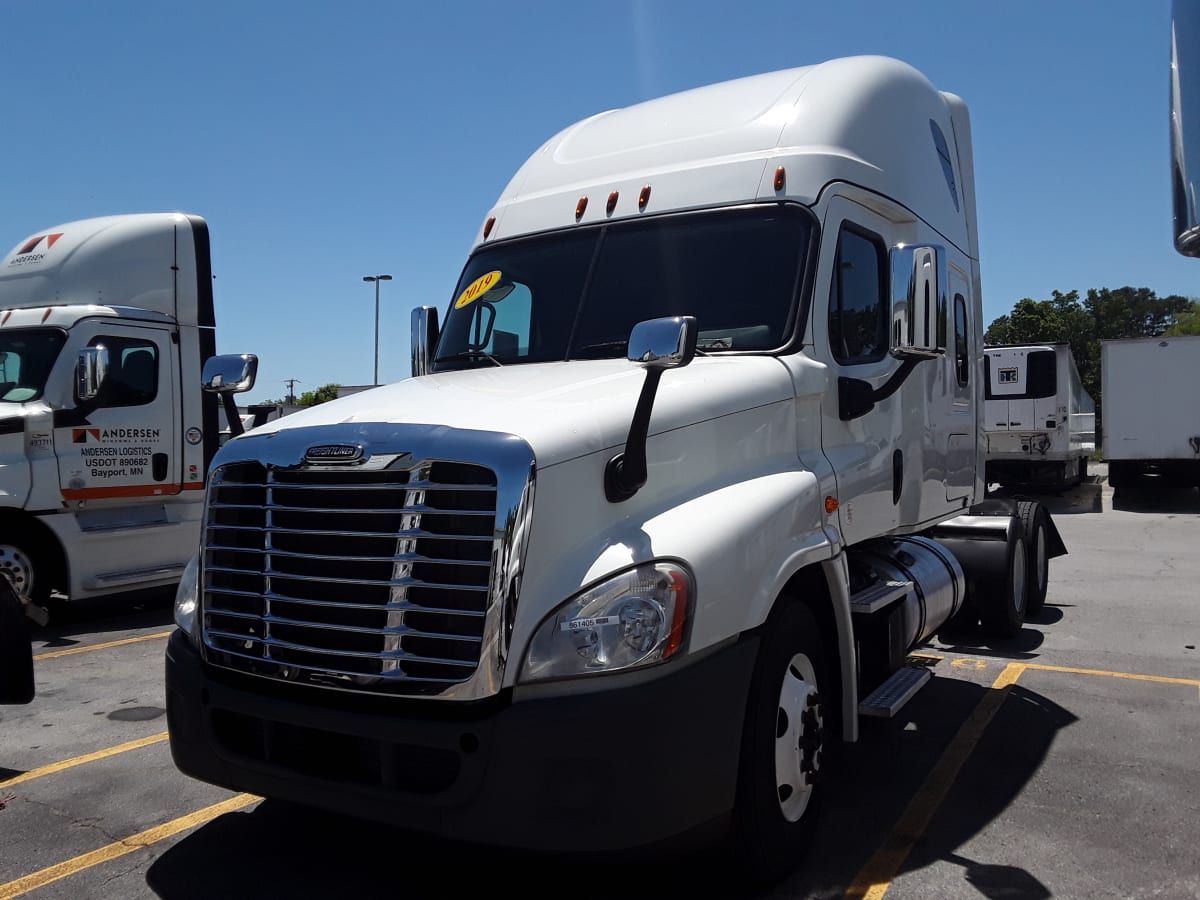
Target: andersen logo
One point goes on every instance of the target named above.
(25, 254)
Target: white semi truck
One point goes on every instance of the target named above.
(693, 463)
(105, 434)
(1152, 409)
(1039, 420)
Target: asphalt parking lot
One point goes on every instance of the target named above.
(1061, 763)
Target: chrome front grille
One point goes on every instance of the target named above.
(367, 578)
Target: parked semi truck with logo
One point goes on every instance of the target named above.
(691, 463)
(1039, 420)
(105, 434)
(1152, 409)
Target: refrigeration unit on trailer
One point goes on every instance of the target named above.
(105, 435)
(1151, 390)
(689, 466)
(1039, 420)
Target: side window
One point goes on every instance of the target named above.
(132, 371)
(858, 313)
(962, 356)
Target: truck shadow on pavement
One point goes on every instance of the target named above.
(1145, 496)
(280, 850)
(97, 616)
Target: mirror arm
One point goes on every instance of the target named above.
(625, 473)
(231, 414)
(857, 398)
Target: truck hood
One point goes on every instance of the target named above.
(562, 410)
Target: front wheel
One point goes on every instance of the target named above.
(783, 744)
(27, 571)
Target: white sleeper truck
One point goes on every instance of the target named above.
(1039, 421)
(1152, 409)
(105, 434)
(689, 465)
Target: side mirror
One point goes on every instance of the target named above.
(230, 374)
(919, 281)
(658, 345)
(424, 340)
(16, 653)
(91, 369)
(1185, 143)
(663, 343)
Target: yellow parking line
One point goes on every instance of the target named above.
(874, 879)
(1160, 679)
(46, 876)
(133, 640)
(80, 760)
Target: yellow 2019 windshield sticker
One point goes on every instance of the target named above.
(477, 289)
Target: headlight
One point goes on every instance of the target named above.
(187, 598)
(633, 619)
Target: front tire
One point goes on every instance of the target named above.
(783, 744)
(28, 571)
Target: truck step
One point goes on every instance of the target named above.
(885, 701)
(879, 596)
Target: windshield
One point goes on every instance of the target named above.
(577, 294)
(26, 358)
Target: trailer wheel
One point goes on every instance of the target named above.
(1037, 563)
(783, 741)
(1003, 601)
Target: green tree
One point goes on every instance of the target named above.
(323, 394)
(1186, 323)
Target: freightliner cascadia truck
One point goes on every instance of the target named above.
(689, 465)
(105, 433)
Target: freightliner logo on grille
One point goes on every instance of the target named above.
(333, 453)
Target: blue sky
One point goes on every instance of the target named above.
(328, 141)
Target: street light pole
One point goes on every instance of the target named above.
(377, 279)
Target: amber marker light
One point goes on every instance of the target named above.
(831, 504)
(780, 178)
(489, 225)
(679, 584)
(612, 203)
(644, 198)
(579, 209)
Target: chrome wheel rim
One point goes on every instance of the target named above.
(16, 564)
(798, 724)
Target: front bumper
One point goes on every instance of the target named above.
(620, 761)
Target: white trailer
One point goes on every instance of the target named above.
(1151, 390)
(692, 465)
(1039, 420)
(105, 434)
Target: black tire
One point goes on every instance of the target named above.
(1004, 599)
(1037, 561)
(777, 803)
(16, 656)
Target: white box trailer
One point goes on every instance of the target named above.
(1152, 409)
(1039, 421)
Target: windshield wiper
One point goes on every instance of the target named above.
(601, 348)
(469, 354)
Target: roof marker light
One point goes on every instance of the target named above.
(580, 208)
(644, 198)
(780, 178)
(612, 203)
(488, 226)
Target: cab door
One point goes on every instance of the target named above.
(125, 442)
